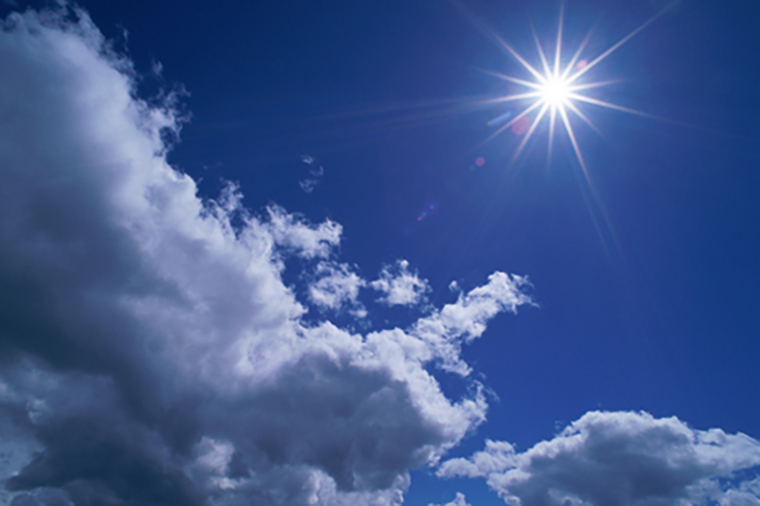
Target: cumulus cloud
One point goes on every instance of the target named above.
(150, 352)
(400, 286)
(306, 240)
(620, 459)
(336, 285)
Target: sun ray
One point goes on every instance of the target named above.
(582, 116)
(615, 46)
(574, 142)
(530, 131)
(558, 47)
(559, 87)
(577, 55)
(598, 84)
(608, 105)
(552, 120)
(541, 54)
(515, 80)
(518, 96)
(522, 61)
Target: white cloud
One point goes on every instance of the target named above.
(400, 286)
(444, 331)
(619, 459)
(151, 352)
(497, 457)
(307, 240)
(335, 286)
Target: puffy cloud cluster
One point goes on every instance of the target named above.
(150, 352)
(621, 459)
(400, 286)
(337, 286)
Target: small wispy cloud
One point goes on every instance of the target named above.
(316, 171)
(308, 185)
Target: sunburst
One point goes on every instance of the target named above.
(557, 90)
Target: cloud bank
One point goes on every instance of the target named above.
(150, 352)
(621, 459)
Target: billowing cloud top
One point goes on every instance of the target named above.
(150, 352)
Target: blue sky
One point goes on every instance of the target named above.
(364, 130)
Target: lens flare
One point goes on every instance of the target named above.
(556, 91)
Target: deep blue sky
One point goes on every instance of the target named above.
(656, 310)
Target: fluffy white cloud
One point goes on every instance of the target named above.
(306, 240)
(335, 286)
(151, 353)
(400, 286)
(620, 459)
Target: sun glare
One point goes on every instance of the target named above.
(556, 90)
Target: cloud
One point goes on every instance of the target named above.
(308, 185)
(459, 500)
(335, 286)
(746, 494)
(302, 238)
(317, 171)
(400, 286)
(150, 352)
(620, 459)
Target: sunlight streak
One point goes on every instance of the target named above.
(558, 48)
(531, 130)
(558, 90)
(615, 47)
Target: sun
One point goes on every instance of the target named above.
(557, 89)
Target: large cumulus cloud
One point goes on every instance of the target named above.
(621, 459)
(150, 352)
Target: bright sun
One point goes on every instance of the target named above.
(553, 89)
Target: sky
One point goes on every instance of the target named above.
(313, 253)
